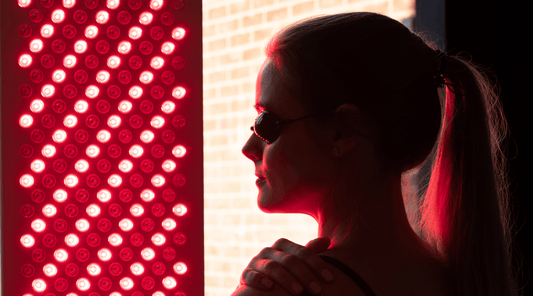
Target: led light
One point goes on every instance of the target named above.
(168, 166)
(48, 151)
(179, 210)
(115, 239)
(158, 239)
(146, 77)
(147, 195)
(103, 136)
(102, 17)
(115, 294)
(93, 210)
(37, 106)
(137, 268)
(47, 31)
(169, 282)
(157, 63)
(49, 210)
(61, 255)
(135, 92)
(38, 225)
(59, 136)
(114, 180)
(167, 47)
(113, 4)
(36, 45)
(50, 269)
(25, 60)
(60, 195)
(82, 225)
(26, 120)
(48, 90)
(126, 283)
(125, 166)
(81, 166)
(124, 47)
(92, 151)
(124, 106)
(58, 76)
(145, 18)
(104, 254)
(178, 33)
(113, 121)
(147, 254)
(180, 268)
(26, 181)
(168, 107)
(80, 46)
(70, 121)
(179, 151)
(157, 121)
(136, 210)
(69, 3)
(169, 224)
(136, 151)
(178, 92)
(104, 195)
(92, 91)
(147, 136)
(91, 32)
(24, 3)
(135, 33)
(69, 61)
(156, 4)
(38, 285)
(71, 181)
(158, 181)
(72, 240)
(113, 62)
(158, 293)
(81, 106)
(58, 16)
(102, 76)
(37, 166)
(94, 269)
(27, 241)
(126, 224)
(83, 284)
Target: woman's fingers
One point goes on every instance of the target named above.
(253, 278)
(318, 244)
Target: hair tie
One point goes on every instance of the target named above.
(441, 66)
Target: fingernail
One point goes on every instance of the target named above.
(296, 287)
(315, 288)
(326, 274)
(266, 282)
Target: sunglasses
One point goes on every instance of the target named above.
(267, 125)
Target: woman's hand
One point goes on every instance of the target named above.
(289, 265)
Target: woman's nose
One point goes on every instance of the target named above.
(253, 148)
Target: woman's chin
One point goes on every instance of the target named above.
(269, 205)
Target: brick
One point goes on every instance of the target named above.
(240, 7)
(329, 3)
(231, 90)
(276, 15)
(229, 58)
(249, 87)
(219, 140)
(217, 44)
(305, 7)
(252, 53)
(229, 26)
(231, 219)
(208, 31)
(240, 39)
(221, 266)
(399, 5)
(262, 34)
(240, 72)
(212, 281)
(239, 105)
(230, 282)
(217, 13)
(209, 62)
(252, 20)
(232, 251)
(210, 93)
(380, 7)
(243, 203)
(261, 3)
(217, 77)
(218, 108)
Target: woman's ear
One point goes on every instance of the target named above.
(350, 124)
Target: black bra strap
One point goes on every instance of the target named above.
(348, 271)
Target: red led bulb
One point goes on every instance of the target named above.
(113, 121)
(69, 3)
(48, 90)
(91, 32)
(146, 77)
(145, 18)
(167, 48)
(169, 282)
(136, 151)
(169, 224)
(126, 283)
(93, 269)
(126, 224)
(25, 60)
(38, 285)
(169, 166)
(70, 121)
(37, 166)
(158, 239)
(178, 33)
(124, 47)
(135, 33)
(27, 241)
(60, 195)
(82, 225)
(37, 106)
(180, 268)
(92, 91)
(178, 92)
(61, 255)
(69, 61)
(83, 284)
(80, 46)
(158, 181)
(50, 270)
(59, 136)
(72, 240)
(136, 210)
(124, 106)
(38, 225)
(179, 210)
(147, 254)
(92, 151)
(125, 166)
(71, 180)
(93, 210)
(81, 106)
(103, 195)
(157, 121)
(113, 62)
(178, 151)
(47, 31)
(135, 92)
(104, 254)
(49, 210)
(157, 63)
(24, 3)
(102, 17)
(36, 45)
(81, 166)
(26, 120)
(48, 151)
(58, 16)
(147, 195)
(114, 180)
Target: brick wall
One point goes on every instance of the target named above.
(235, 33)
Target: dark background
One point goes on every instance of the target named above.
(494, 35)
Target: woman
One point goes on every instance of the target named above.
(346, 104)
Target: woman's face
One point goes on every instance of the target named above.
(297, 167)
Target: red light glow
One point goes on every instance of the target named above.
(103, 136)
(81, 106)
(69, 3)
(113, 4)
(180, 268)
(145, 18)
(178, 33)
(92, 151)
(158, 239)
(82, 225)
(70, 121)
(80, 46)
(102, 76)
(179, 151)
(157, 63)
(147, 136)
(102, 17)
(158, 181)
(115, 239)
(58, 16)
(137, 268)
(93, 210)
(115, 294)
(91, 32)
(50, 270)
(59, 136)
(136, 151)
(113, 121)
(157, 121)
(158, 293)
(146, 77)
(49, 210)
(69, 61)
(104, 254)
(179, 210)
(60, 195)
(37, 166)
(168, 107)
(47, 31)
(25, 60)
(178, 92)
(124, 47)
(135, 92)
(147, 254)
(48, 151)
(81, 166)
(38, 225)
(94, 269)
(26, 181)
(125, 166)
(169, 282)
(58, 76)
(126, 224)
(61, 255)
(71, 181)
(147, 195)
(38, 285)
(168, 166)
(72, 240)
(156, 4)
(104, 195)
(167, 47)
(124, 106)
(113, 62)
(126, 283)
(24, 3)
(114, 180)
(83, 284)
(26, 120)
(36, 106)
(48, 90)
(136, 210)
(92, 91)
(135, 33)
(36, 45)
(169, 224)
(27, 241)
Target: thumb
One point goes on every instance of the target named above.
(318, 244)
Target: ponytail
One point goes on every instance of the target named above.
(465, 211)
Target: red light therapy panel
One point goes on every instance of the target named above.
(102, 148)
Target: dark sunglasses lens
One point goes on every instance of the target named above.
(266, 126)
